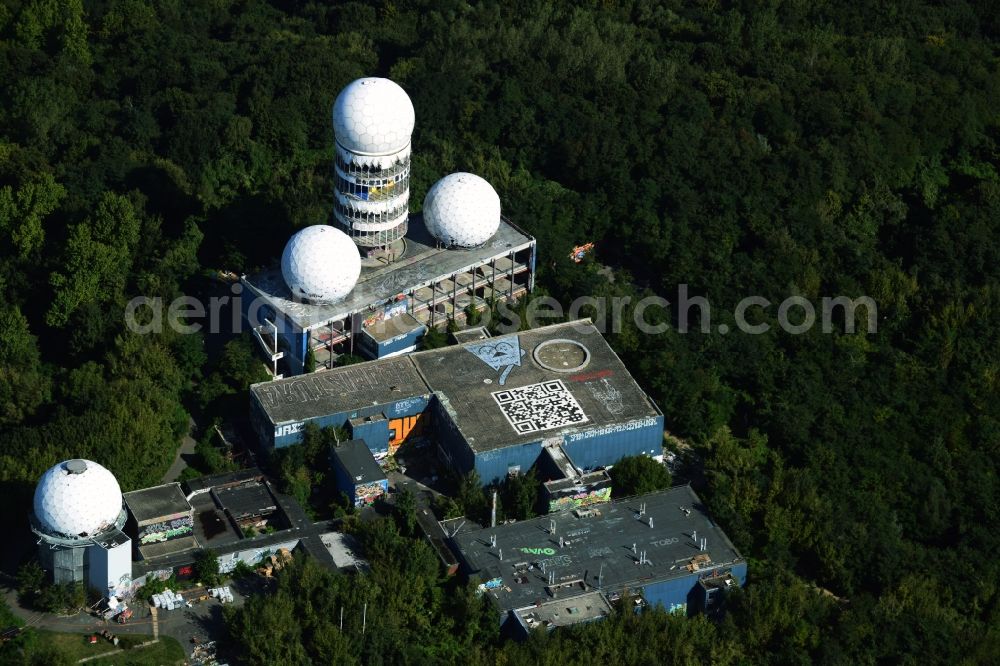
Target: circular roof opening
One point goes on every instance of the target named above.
(561, 355)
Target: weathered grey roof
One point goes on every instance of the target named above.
(249, 499)
(597, 548)
(153, 504)
(422, 263)
(469, 377)
(339, 390)
(357, 460)
(387, 329)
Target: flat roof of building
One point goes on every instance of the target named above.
(357, 460)
(251, 498)
(153, 504)
(112, 539)
(211, 527)
(502, 391)
(152, 551)
(535, 384)
(422, 263)
(389, 329)
(339, 390)
(566, 612)
(475, 334)
(596, 549)
(345, 550)
(222, 479)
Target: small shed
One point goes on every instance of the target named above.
(357, 473)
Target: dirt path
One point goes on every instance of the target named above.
(186, 448)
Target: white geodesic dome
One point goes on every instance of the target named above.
(373, 116)
(320, 264)
(462, 209)
(77, 497)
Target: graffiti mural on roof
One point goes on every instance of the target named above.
(345, 381)
(608, 395)
(540, 406)
(502, 355)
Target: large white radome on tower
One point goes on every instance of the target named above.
(77, 497)
(462, 209)
(373, 116)
(320, 264)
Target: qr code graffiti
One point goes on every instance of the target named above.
(539, 406)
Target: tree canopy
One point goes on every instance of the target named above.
(638, 475)
(811, 149)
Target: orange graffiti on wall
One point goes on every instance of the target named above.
(403, 429)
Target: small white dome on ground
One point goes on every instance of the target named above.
(373, 116)
(320, 264)
(77, 497)
(462, 209)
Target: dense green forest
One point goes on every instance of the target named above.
(741, 148)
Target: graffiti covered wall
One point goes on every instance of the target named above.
(252, 556)
(580, 498)
(404, 428)
(367, 493)
(169, 529)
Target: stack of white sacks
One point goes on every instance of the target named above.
(168, 600)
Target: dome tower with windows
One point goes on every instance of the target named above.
(372, 123)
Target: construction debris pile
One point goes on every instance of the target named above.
(273, 563)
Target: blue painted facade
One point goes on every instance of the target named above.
(292, 339)
(375, 432)
(684, 595)
(453, 444)
(609, 444)
(287, 434)
(343, 482)
(497, 464)
(400, 344)
(587, 449)
(489, 465)
(407, 407)
(349, 486)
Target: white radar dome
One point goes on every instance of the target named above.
(373, 116)
(321, 264)
(462, 209)
(77, 497)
